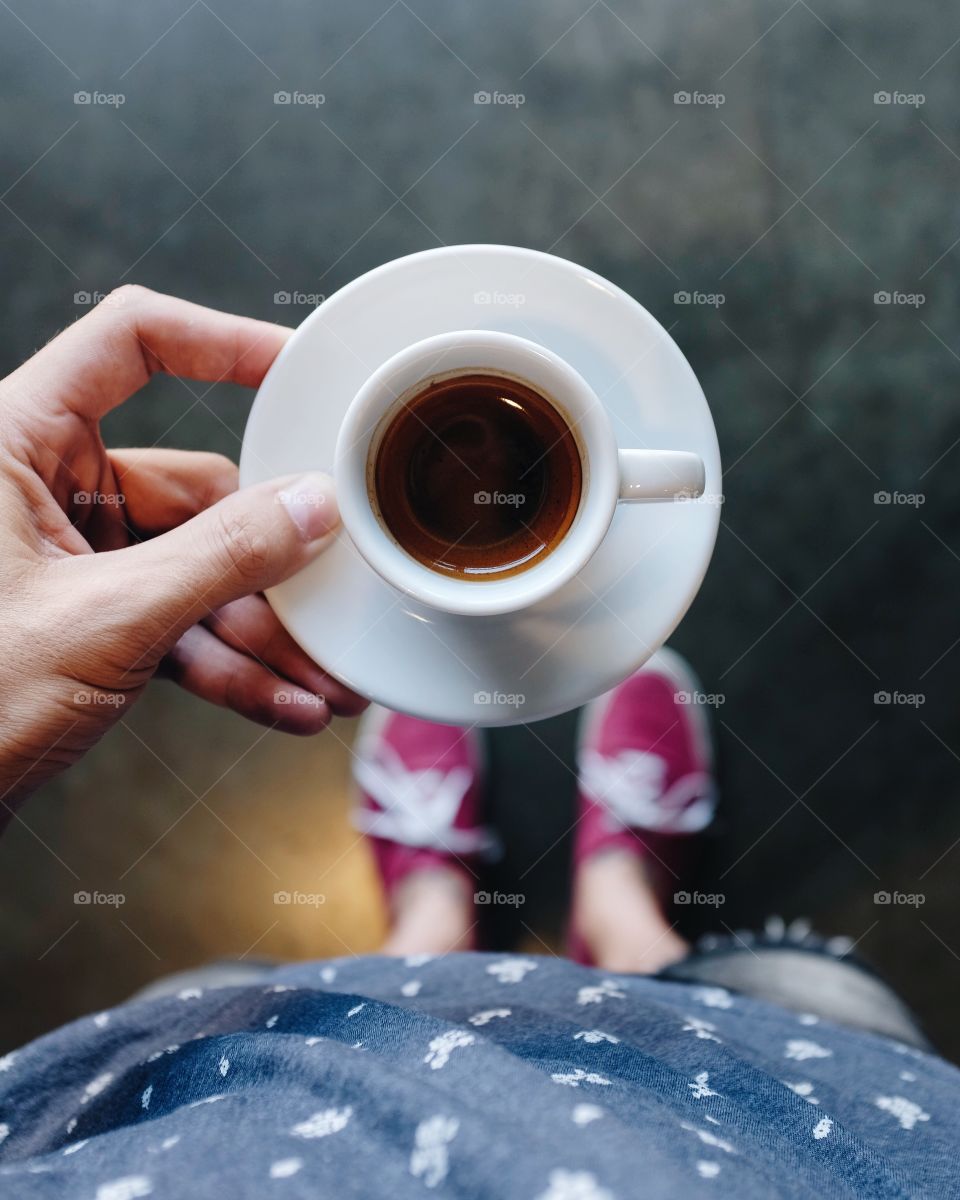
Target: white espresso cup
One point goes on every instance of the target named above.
(609, 474)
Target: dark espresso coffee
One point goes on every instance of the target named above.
(477, 477)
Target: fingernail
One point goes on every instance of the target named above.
(311, 505)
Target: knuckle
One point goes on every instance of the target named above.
(244, 545)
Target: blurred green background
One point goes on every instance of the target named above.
(772, 162)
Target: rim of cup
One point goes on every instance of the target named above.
(445, 356)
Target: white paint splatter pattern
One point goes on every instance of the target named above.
(802, 1088)
(799, 1049)
(488, 1015)
(705, 1030)
(440, 1049)
(511, 970)
(713, 997)
(323, 1123)
(709, 1139)
(701, 1086)
(430, 1157)
(96, 1086)
(607, 989)
(130, 1187)
(585, 1114)
(283, 1168)
(906, 1111)
(577, 1076)
(574, 1185)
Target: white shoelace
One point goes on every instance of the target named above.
(418, 808)
(630, 786)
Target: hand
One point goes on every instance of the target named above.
(116, 565)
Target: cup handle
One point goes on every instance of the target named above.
(647, 475)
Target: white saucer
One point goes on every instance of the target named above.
(608, 620)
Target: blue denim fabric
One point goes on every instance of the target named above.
(471, 1075)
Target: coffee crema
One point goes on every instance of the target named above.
(477, 476)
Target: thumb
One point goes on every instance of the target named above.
(248, 541)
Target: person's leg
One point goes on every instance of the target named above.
(432, 912)
(419, 803)
(619, 915)
(646, 790)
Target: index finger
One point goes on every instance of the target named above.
(102, 359)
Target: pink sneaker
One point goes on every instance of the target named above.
(419, 795)
(645, 762)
